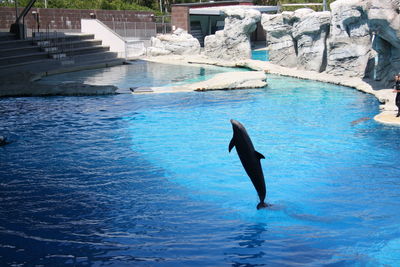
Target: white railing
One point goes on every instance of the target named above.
(323, 4)
(138, 30)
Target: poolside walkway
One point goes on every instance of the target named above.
(384, 95)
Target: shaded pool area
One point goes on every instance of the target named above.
(147, 180)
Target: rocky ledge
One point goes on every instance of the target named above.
(358, 38)
(221, 81)
(26, 84)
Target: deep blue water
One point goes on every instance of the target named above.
(147, 180)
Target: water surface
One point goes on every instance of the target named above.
(147, 180)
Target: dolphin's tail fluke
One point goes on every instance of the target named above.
(262, 205)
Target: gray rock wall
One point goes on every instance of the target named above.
(310, 32)
(384, 23)
(297, 39)
(282, 49)
(233, 42)
(177, 43)
(349, 43)
(358, 38)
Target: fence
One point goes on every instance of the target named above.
(296, 5)
(138, 30)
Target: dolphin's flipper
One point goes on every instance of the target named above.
(231, 144)
(259, 155)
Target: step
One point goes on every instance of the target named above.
(8, 52)
(22, 58)
(63, 38)
(6, 36)
(52, 66)
(84, 50)
(85, 66)
(73, 44)
(32, 64)
(95, 56)
(15, 43)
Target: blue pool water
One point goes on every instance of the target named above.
(147, 180)
(260, 55)
(140, 74)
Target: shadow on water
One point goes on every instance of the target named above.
(70, 193)
(55, 212)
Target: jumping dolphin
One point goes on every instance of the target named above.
(250, 159)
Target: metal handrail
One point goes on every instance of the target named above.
(25, 11)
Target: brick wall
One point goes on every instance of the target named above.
(180, 17)
(70, 18)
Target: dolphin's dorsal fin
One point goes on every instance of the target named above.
(259, 155)
(231, 144)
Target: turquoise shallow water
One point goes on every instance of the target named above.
(262, 55)
(147, 180)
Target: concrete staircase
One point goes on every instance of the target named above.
(53, 51)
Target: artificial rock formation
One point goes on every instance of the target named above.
(350, 41)
(282, 50)
(233, 42)
(310, 31)
(177, 43)
(359, 38)
(297, 39)
(384, 23)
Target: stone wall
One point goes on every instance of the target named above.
(70, 19)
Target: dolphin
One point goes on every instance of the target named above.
(250, 159)
(360, 120)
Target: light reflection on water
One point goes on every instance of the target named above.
(146, 180)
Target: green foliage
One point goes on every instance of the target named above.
(138, 5)
(141, 5)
